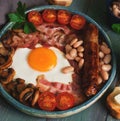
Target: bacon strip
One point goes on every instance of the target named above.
(91, 65)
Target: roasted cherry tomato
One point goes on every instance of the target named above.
(49, 15)
(47, 101)
(35, 18)
(77, 22)
(65, 101)
(63, 17)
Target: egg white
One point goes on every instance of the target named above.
(24, 71)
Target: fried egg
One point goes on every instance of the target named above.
(31, 63)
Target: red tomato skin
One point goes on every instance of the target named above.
(65, 101)
(47, 101)
(49, 15)
(35, 18)
(77, 22)
(63, 17)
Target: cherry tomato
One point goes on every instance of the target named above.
(49, 15)
(35, 18)
(63, 17)
(47, 101)
(65, 101)
(77, 22)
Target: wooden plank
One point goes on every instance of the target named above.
(10, 113)
(96, 112)
(93, 113)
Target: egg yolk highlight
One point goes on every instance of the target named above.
(42, 59)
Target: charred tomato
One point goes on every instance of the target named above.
(49, 15)
(47, 101)
(77, 22)
(65, 101)
(63, 17)
(35, 18)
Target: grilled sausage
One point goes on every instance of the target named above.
(91, 63)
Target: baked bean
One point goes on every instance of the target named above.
(69, 57)
(107, 59)
(80, 49)
(77, 44)
(73, 41)
(105, 49)
(73, 53)
(104, 75)
(68, 48)
(106, 67)
(67, 69)
(77, 59)
(81, 62)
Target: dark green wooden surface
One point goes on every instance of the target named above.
(98, 111)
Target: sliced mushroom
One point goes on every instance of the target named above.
(10, 87)
(6, 56)
(30, 85)
(5, 61)
(20, 87)
(20, 81)
(6, 39)
(6, 76)
(6, 51)
(26, 95)
(35, 97)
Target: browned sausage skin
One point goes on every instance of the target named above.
(91, 64)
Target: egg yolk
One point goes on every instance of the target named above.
(42, 59)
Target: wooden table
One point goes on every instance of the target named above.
(98, 111)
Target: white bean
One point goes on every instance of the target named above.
(68, 48)
(101, 54)
(99, 81)
(106, 67)
(101, 63)
(107, 59)
(77, 59)
(105, 49)
(73, 41)
(69, 57)
(81, 62)
(73, 53)
(77, 44)
(67, 69)
(80, 49)
(80, 54)
(104, 75)
(103, 43)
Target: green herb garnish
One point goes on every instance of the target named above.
(19, 18)
(116, 28)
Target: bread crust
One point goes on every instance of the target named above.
(113, 107)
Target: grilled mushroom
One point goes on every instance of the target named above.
(35, 97)
(26, 95)
(6, 76)
(5, 56)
